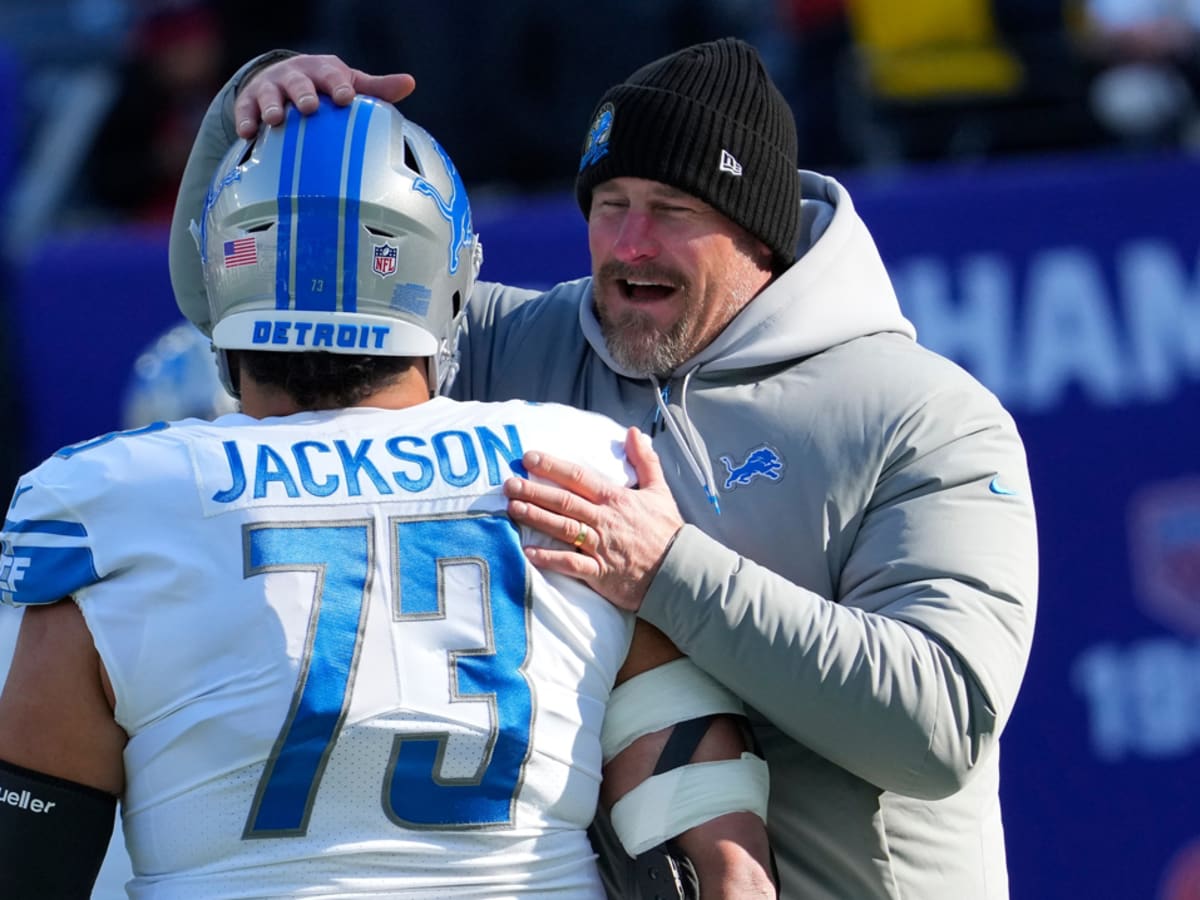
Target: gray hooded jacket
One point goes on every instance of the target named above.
(868, 584)
(860, 558)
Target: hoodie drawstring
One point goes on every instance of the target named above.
(689, 441)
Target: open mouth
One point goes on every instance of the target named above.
(644, 291)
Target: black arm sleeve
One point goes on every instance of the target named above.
(661, 873)
(53, 835)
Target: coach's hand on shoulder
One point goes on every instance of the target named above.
(299, 80)
(616, 536)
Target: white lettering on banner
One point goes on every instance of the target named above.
(1163, 312)
(1142, 699)
(1070, 335)
(1064, 330)
(977, 330)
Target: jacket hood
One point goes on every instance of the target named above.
(837, 289)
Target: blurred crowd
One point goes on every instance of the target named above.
(508, 86)
(106, 95)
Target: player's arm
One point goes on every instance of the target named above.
(60, 759)
(685, 796)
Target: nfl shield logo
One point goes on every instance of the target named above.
(384, 263)
(1164, 531)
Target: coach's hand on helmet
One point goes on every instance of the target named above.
(300, 80)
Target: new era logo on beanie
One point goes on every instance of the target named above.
(707, 120)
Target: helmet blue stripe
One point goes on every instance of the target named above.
(322, 156)
(351, 226)
(283, 244)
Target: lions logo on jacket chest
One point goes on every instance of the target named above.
(763, 461)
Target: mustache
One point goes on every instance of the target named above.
(614, 270)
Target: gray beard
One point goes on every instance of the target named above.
(639, 347)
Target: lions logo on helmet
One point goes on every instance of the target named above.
(318, 195)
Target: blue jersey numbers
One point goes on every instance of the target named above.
(428, 559)
(427, 548)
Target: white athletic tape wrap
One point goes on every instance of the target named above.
(658, 698)
(667, 805)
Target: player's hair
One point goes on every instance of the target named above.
(323, 380)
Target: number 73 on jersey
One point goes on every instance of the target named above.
(441, 567)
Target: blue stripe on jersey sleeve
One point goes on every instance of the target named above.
(32, 576)
(44, 526)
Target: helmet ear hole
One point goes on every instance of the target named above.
(410, 157)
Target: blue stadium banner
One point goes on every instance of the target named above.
(1071, 287)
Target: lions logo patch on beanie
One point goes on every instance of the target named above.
(596, 146)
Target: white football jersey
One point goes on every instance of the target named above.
(339, 675)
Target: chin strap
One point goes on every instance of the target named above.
(228, 373)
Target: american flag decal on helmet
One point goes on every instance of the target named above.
(240, 252)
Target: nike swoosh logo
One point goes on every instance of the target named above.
(17, 494)
(996, 486)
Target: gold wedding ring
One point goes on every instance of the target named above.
(581, 537)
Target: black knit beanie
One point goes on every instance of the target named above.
(709, 121)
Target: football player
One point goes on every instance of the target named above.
(301, 643)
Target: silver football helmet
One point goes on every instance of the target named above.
(347, 231)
